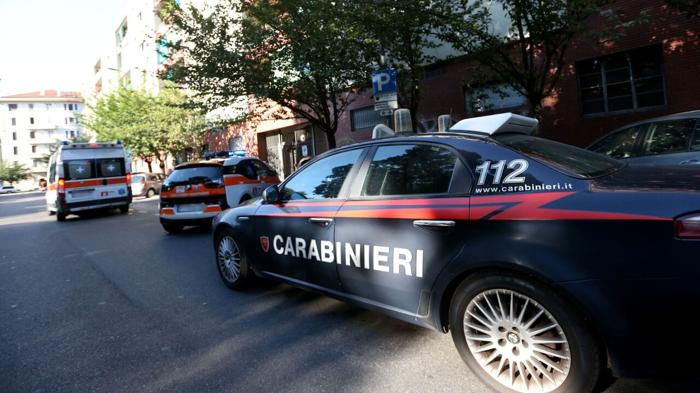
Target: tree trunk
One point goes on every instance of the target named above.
(535, 108)
(330, 136)
(150, 168)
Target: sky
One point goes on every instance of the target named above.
(53, 44)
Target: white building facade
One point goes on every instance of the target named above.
(31, 123)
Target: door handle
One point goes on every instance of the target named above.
(693, 161)
(433, 224)
(322, 221)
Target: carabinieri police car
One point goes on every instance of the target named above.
(547, 263)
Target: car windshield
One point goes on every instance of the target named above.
(198, 174)
(137, 179)
(578, 161)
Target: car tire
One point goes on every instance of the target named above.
(60, 216)
(231, 262)
(150, 193)
(172, 227)
(511, 352)
(124, 209)
(52, 212)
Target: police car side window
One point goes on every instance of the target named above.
(323, 179)
(409, 170)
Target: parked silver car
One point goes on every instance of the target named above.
(667, 140)
(146, 184)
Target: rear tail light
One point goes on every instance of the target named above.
(128, 178)
(687, 227)
(61, 188)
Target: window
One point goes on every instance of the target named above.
(620, 144)
(110, 167)
(493, 98)
(409, 169)
(245, 168)
(695, 143)
(366, 118)
(189, 174)
(14, 149)
(668, 137)
(262, 169)
(14, 121)
(12, 107)
(14, 136)
(78, 169)
(72, 134)
(33, 149)
(322, 179)
(31, 107)
(32, 135)
(623, 81)
(31, 120)
(52, 170)
(583, 163)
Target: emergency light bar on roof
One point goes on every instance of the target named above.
(497, 124)
(92, 145)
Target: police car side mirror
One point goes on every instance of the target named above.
(271, 194)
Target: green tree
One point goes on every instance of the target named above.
(306, 56)
(13, 173)
(405, 34)
(52, 148)
(529, 56)
(152, 127)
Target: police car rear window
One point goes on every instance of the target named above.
(580, 162)
(195, 174)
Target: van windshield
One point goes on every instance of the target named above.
(93, 168)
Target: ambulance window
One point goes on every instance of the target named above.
(52, 170)
(110, 167)
(262, 169)
(245, 168)
(322, 179)
(409, 170)
(78, 169)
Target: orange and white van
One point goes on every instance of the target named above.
(194, 193)
(85, 176)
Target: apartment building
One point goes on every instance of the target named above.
(30, 123)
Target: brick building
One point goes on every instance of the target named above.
(650, 71)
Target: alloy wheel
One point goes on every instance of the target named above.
(516, 341)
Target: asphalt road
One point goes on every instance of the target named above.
(112, 303)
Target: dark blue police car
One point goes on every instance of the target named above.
(547, 263)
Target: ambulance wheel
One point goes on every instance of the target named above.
(124, 209)
(231, 263)
(520, 336)
(150, 193)
(60, 216)
(172, 227)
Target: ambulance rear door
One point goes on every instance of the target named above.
(97, 174)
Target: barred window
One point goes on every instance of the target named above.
(624, 81)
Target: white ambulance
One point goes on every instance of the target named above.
(85, 176)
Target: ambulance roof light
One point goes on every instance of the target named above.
(382, 131)
(497, 124)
